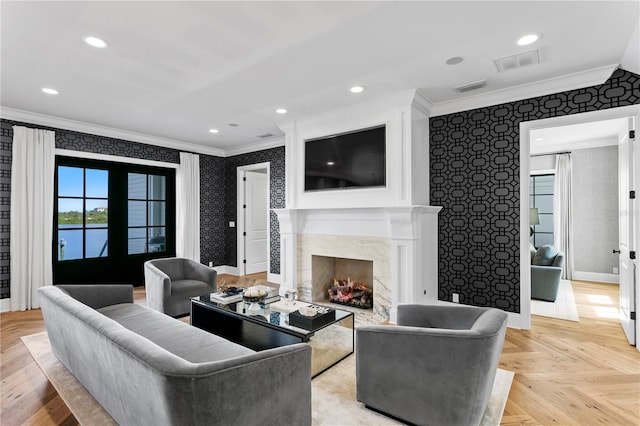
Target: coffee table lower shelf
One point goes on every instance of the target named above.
(330, 343)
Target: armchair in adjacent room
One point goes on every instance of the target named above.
(170, 283)
(546, 272)
(436, 367)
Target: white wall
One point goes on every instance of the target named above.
(595, 210)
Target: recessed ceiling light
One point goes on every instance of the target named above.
(357, 89)
(213, 130)
(50, 91)
(330, 163)
(538, 139)
(96, 42)
(528, 39)
(281, 111)
(454, 60)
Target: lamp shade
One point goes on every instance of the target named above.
(534, 218)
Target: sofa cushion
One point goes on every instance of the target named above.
(545, 255)
(190, 343)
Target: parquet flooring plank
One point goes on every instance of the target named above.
(566, 372)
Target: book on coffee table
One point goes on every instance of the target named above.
(286, 307)
(225, 298)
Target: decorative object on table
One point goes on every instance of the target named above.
(290, 296)
(312, 316)
(286, 307)
(254, 296)
(274, 317)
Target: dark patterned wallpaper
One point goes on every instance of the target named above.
(213, 221)
(276, 157)
(212, 243)
(475, 176)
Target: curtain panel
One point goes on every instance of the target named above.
(562, 199)
(188, 207)
(32, 175)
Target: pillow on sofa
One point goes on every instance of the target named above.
(545, 255)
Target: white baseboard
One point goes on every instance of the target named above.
(226, 269)
(596, 276)
(5, 305)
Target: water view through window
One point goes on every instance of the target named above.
(83, 212)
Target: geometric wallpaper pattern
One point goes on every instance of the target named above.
(275, 158)
(475, 177)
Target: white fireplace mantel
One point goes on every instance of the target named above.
(411, 233)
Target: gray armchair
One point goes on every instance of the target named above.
(436, 367)
(170, 283)
(546, 272)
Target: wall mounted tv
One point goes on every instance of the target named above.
(349, 160)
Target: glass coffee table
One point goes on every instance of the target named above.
(267, 328)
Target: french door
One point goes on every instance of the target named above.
(109, 218)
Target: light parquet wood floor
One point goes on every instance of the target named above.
(567, 373)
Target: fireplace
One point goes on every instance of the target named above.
(341, 280)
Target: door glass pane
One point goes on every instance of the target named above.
(97, 183)
(544, 184)
(96, 213)
(137, 186)
(70, 211)
(70, 181)
(544, 203)
(542, 239)
(157, 187)
(137, 240)
(157, 240)
(96, 242)
(69, 244)
(157, 215)
(137, 213)
(546, 223)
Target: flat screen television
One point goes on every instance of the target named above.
(349, 160)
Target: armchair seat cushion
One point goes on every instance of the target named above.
(189, 288)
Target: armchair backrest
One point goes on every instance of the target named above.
(174, 267)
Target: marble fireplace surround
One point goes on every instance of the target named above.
(401, 242)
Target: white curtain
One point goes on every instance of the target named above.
(32, 174)
(562, 199)
(188, 208)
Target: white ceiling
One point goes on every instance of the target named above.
(176, 69)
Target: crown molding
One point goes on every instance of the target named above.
(549, 86)
(258, 146)
(93, 129)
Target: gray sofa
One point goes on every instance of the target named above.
(436, 367)
(546, 272)
(146, 368)
(171, 282)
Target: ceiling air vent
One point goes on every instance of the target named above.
(471, 86)
(516, 61)
(265, 135)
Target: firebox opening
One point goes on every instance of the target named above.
(340, 280)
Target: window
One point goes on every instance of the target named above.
(110, 218)
(83, 207)
(541, 197)
(146, 213)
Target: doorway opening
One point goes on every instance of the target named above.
(253, 227)
(529, 131)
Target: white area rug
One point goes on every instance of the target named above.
(563, 308)
(333, 392)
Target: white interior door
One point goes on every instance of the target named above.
(627, 229)
(256, 222)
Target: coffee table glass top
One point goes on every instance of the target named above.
(273, 314)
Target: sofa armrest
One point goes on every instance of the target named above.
(99, 295)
